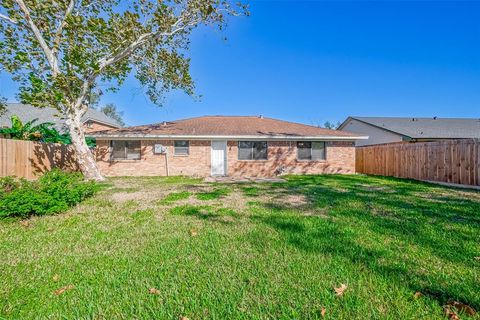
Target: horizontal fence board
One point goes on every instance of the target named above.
(451, 161)
(28, 159)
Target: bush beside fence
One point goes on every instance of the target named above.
(450, 161)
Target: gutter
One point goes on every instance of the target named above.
(223, 137)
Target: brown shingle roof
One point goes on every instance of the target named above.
(225, 126)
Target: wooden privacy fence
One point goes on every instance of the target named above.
(451, 161)
(29, 159)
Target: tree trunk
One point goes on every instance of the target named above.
(84, 155)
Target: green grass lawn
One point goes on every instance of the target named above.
(165, 248)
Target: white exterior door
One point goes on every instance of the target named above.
(219, 158)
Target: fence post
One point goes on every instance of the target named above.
(453, 161)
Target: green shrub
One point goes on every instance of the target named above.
(8, 184)
(54, 192)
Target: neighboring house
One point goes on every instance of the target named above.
(224, 146)
(386, 130)
(93, 120)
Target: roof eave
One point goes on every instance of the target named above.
(375, 126)
(223, 137)
(115, 125)
(342, 125)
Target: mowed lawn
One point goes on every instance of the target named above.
(167, 248)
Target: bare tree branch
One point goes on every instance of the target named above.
(13, 21)
(52, 60)
(107, 61)
(58, 33)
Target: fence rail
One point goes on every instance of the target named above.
(29, 159)
(451, 161)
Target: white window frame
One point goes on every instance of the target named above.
(253, 151)
(125, 157)
(176, 149)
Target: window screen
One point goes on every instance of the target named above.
(125, 150)
(304, 150)
(307, 150)
(252, 150)
(181, 147)
(318, 150)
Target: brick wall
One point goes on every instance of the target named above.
(340, 159)
(197, 163)
(282, 156)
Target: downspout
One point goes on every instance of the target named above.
(166, 161)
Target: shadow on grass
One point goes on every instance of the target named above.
(221, 215)
(388, 208)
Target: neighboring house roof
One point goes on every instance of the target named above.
(425, 128)
(246, 127)
(28, 112)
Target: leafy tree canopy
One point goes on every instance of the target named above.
(61, 50)
(331, 125)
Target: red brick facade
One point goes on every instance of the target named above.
(282, 157)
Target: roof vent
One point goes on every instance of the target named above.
(435, 118)
(413, 119)
(260, 116)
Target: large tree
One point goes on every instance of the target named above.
(60, 50)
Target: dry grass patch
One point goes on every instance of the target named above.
(270, 250)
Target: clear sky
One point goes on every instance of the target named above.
(313, 61)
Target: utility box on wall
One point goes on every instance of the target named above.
(159, 149)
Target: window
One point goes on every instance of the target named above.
(125, 150)
(252, 150)
(307, 150)
(181, 147)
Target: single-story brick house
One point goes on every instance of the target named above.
(236, 146)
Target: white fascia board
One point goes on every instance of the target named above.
(246, 138)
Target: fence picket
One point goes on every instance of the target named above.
(28, 159)
(455, 161)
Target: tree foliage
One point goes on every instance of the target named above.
(28, 130)
(331, 125)
(3, 103)
(111, 111)
(43, 132)
(61, 50)
(64, 47)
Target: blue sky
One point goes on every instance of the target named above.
(313, 61)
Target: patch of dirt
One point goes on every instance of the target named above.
(197, 188)
(287, 200)
(235, 200)
(471, 195)
(139, 196)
